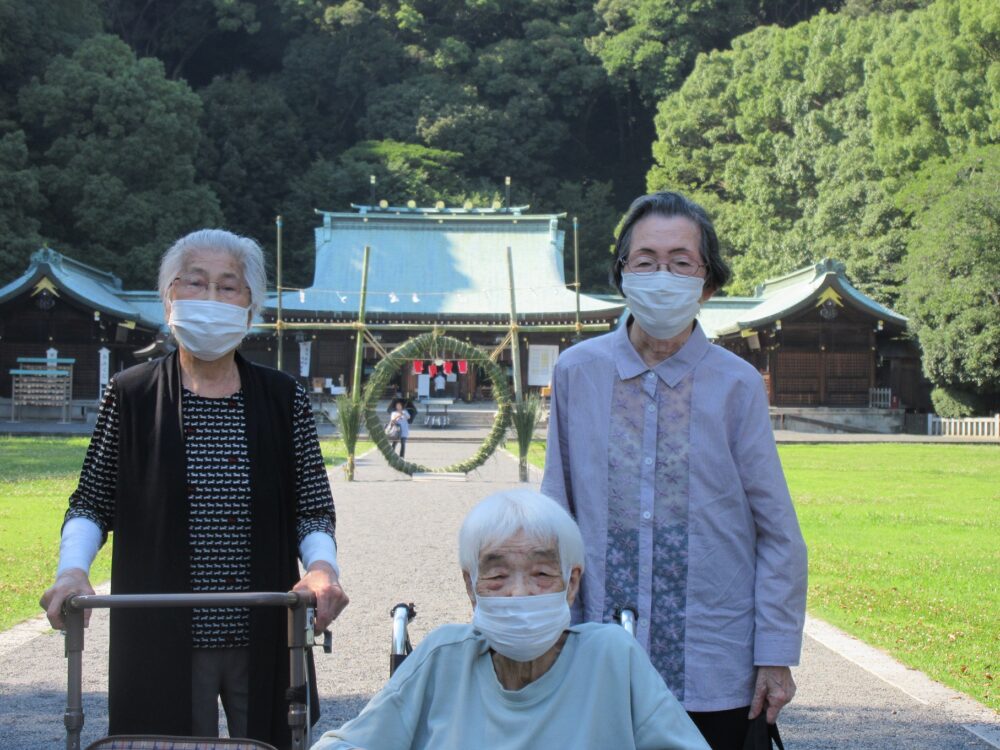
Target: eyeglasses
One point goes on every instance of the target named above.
(647, 264)
(193, 286)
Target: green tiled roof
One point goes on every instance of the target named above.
(784, 296)
(441, 262)
(96, 289)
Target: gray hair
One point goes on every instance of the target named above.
(243, 249)
(503, 514)
(671, 204)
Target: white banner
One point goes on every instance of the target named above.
(541, 361)
(305, 354)
(104, 372)
(423, 385)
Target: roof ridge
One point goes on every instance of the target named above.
(52, 257)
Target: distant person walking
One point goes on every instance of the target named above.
(439, 385)
(399, 426)
(660, 445)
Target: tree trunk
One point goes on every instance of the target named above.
(349, 467)
(522, 467)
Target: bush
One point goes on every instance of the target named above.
(954, 402)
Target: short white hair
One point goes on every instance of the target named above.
(502, 515)
(245, 250)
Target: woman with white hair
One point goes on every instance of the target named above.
(520, 676)
(207, 468)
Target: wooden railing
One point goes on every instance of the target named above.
(879, 398)
(988, 427)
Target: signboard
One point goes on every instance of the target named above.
(541, 361)
(423, 385)
(104, 370)
(305, 354)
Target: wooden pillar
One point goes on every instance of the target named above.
(872, 353)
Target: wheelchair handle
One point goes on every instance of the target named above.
(402, 615)
(626, 617)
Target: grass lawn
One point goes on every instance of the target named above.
(37, 476)
(904, 551)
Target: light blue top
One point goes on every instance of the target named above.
(601, 693)
(673, 475)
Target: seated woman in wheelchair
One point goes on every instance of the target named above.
(520, 676)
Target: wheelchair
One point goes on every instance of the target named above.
(402, 615)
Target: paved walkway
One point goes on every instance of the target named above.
(397, 543)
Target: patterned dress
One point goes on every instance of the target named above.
(218, 491)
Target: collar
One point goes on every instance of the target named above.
(671, 370)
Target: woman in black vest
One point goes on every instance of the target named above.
(207, 468)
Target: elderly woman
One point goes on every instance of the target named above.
(207, 469)
(660, 445)
(520, 676)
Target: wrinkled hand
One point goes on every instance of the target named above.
(70, 582)
(775, 688)
(321, 579)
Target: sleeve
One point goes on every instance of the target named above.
(659, 721)
(781, 563)
(81, 539)
(314, 509)
(94, 497)
(389, 720)
(556, 481)
(382, 725)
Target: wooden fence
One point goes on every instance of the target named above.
(988, 427)
(879, 398)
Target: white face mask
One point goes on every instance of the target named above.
(663, 303)
(206, 328)
(522, 628)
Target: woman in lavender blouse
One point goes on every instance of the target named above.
(660, 445)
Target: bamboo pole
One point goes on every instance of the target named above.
(515, 340)
(278, 327)
(576, 272)
(359, 348)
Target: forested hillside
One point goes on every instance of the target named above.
(869, 137)
(123, 123)
(866, 130)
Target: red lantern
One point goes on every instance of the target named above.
(448, 366)
(418, 366)
(463, 367)
(432, 370)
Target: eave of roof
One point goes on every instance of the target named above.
(789, 294)
(89, 287)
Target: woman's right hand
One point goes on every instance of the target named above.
(70, 582)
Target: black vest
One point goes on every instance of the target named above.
(150, 671)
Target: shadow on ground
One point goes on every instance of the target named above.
(32, 719)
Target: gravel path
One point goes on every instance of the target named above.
(397, 543)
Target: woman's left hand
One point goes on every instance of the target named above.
(321, 579)
(775, 688)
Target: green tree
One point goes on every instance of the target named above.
(32, 32)
(952, 272)
(403, 172)
(934, 84)
(20, 202)
(116, 143)
(251, 147)
(183, 31)
(798, 139)
(652, 44)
